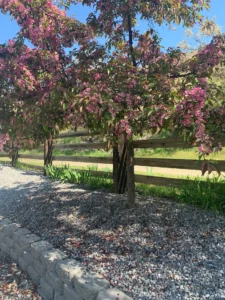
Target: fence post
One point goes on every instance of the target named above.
(116, 160)
(130, 174)
(122, 167)
(48, 148)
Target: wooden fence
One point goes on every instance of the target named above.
(48, 157)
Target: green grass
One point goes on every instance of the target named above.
(208, 195)
(84, 177)
(26, 167)
(157, 191)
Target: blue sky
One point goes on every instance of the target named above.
(9, 27)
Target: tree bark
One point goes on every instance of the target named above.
(119, 166)
(14, 155)
(131, 41)
(48, 148)
(130, 174)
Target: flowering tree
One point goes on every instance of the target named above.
(129, 85)
(139, 87)
(34, 80)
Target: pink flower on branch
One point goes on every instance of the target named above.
(4, 138)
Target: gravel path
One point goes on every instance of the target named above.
(161, 250)
(15, 284)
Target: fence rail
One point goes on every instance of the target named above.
(87, 159)
(184, 164)
(161, 143)
(4, 155)
(160, 181)
(188, 164)
(82, 146)
(30, 156)
(81, 133)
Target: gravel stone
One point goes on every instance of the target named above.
(160, 250)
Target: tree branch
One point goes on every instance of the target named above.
(131, 41)
(182, 75)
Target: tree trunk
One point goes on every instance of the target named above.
(130, 174)
(14, 155)
(119, 166)
(48, 148)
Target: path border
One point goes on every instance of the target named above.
(57, 276)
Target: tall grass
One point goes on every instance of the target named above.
(83, 177)
(209, 194)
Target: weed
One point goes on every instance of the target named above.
(149, 171)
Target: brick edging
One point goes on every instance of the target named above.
(57, 276)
